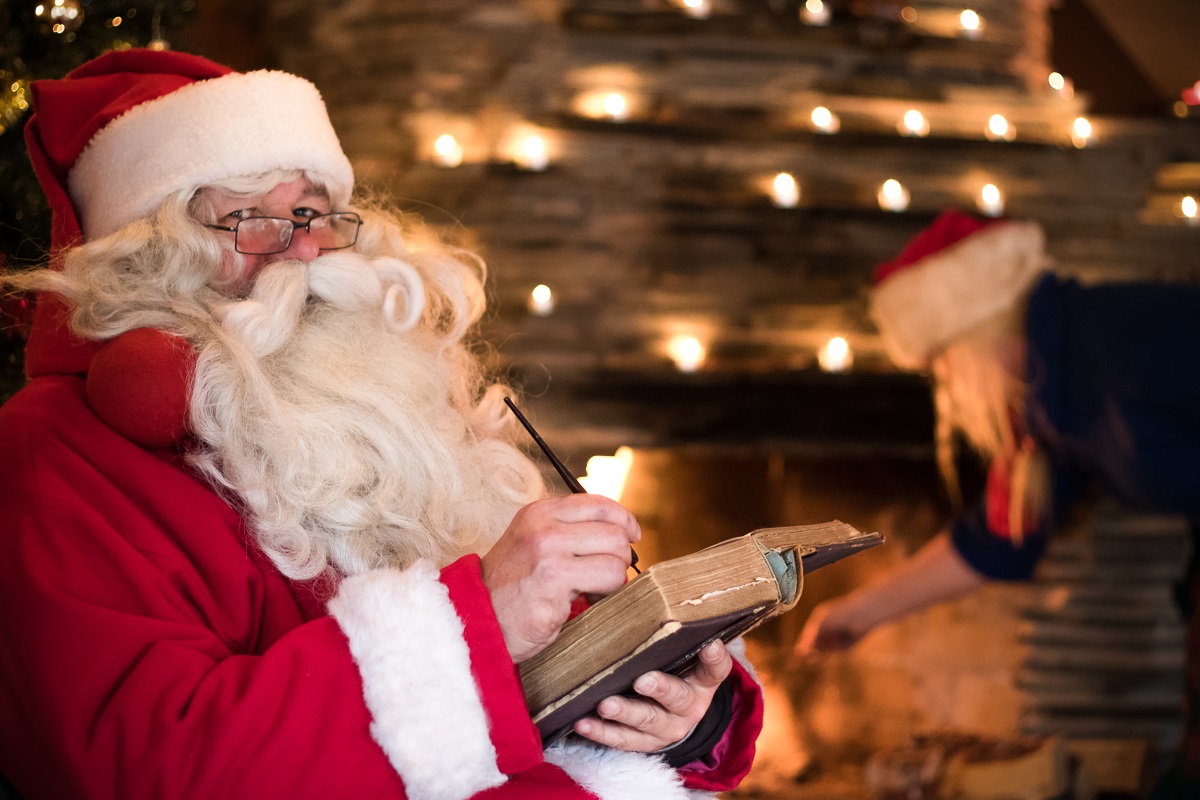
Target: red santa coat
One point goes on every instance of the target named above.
(151, 650)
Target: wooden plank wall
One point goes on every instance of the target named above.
(661, 224)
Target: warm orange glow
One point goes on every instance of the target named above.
(991, 200)
(914, 124)
(541, 300)
(606, 474)
(815, 12)
(836, 355)
(447, 151)
(825, 120)
(1081, 132)
(998, 129)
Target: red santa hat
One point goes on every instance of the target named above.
(955, 274)
(129, 129)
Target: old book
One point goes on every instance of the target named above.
(662, 618)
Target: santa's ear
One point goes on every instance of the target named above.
(140, 384)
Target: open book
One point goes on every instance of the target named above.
(661, 619)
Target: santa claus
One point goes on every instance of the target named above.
(268, 531)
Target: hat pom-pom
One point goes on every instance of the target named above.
(140, 384)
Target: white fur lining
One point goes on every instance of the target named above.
(200, 134)
(923, 306)
(426, 712)
(618, 775)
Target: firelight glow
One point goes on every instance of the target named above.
(836, 355)
(606, 474)
(991, 200)
(785, 192)
(892, 196)
(687, 352)
(914, 123)
(825, 120)
(447, 151)
(541, 300)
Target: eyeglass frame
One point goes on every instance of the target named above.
(306, 225)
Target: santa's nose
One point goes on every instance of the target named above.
(304, 247)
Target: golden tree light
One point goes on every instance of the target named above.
(824, 120)
(970, 24)
(913, 124)
(785, 192)
(1081, 132)
(447, 151)
(541, 300)
(991, 200)
(815, 13)
(699, 9)
(1187, 209)
(533, 155)
(836, 355)
(687, 352)
(999, 130)
(892, 196)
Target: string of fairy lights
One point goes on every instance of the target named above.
(534, 149)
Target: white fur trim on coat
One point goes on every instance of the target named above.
(200, 134)
(923, 306)
(618, 775)
(426, 711)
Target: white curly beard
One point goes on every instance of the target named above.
(337, 405)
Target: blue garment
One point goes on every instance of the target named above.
(1114, 405)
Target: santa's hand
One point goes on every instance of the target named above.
(553, 551)
(667, 711)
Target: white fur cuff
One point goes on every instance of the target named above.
(618, 775)
(426, 712)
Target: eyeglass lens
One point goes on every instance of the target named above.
(266, 235)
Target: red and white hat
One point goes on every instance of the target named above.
(119, 135)
(130, 128)
(955, 274)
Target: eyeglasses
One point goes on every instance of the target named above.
(262, 236)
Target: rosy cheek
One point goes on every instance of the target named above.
(237, 271)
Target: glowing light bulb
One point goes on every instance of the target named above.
(825, 120)
(785, 192)
(541, 300)
(998, 129)
(914, 124)
(533, 154)
(908, 14)
(892, 196)
(687, 352)
(616, 106)
(1081, 132)
(991, 200)
(971, 24)
(606, 474)
(1187, 208)
(1056, 81)
(700, 9)
(815, 13)
(836, 355)
(447, 151)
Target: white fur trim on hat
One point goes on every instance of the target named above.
(921, 307)
(620, 775)
(407, 640)
(201, 134)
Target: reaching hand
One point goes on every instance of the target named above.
(834, 625)
(554, 550)
(671, 709)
